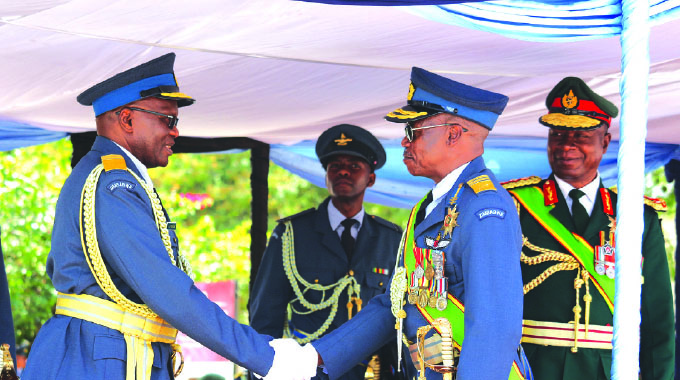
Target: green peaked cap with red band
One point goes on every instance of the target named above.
(573, 105)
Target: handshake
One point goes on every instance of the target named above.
(292, 361)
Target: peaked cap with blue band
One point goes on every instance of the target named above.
(430, 94)
(155, 78)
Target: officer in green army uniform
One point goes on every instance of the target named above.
(568, 222)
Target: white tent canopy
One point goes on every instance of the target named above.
(281, 72)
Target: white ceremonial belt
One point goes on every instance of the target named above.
(562, 334)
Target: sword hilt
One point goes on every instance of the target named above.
(444, 327)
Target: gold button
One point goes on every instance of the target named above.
(316, 281)
(380, 283)
(351, 272)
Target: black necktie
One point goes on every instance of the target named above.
(346, 238)
(423, 208)
(578, 212)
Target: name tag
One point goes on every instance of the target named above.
(121, 184)
(487, 212)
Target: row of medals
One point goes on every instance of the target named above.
(422, 295)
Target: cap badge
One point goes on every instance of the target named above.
(411, 90)
(569, 100)
(342, 141)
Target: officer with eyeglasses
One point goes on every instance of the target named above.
(124, 286)
(457, 275)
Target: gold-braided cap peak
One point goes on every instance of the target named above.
(526, 181)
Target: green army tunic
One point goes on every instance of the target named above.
(553, 298)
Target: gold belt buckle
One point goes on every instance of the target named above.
(448, 367)
(177, 349)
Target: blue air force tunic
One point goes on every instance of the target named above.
(483, 271)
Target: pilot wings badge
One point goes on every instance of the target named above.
(436, 242)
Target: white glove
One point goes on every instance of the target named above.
(292, 362)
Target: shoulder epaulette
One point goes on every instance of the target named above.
(657, 204)
(282, 220)
(386, 223)
(526, 181)
(113, 162)
(481, 183)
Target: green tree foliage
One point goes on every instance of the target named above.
(31, 179)
(217, 238)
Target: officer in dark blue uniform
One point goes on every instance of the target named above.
(124, 287)
(325, 264)
(458, 271)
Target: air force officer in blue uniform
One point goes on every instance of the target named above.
(318, 247)
(124, 286)
(460, 261)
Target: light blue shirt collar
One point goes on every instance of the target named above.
(335, 217)
(444, 186)
(140, 166)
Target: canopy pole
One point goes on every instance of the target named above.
(629, 208)
(259, 162)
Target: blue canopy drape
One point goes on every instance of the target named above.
(389, 2)
(15, 135)
(508, 157)
(539, 20)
